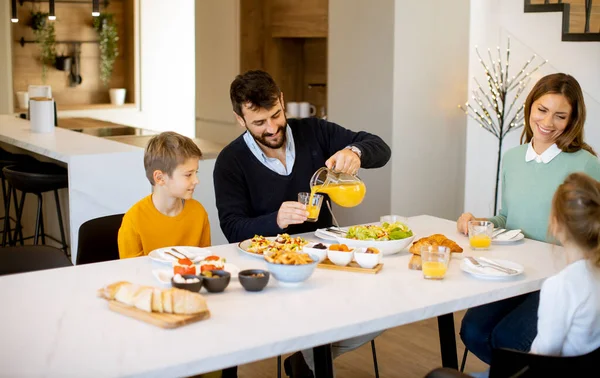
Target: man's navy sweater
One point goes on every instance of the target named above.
(249, 195)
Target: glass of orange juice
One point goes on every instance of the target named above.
(480, 234)
(434, 261)
(313, 208)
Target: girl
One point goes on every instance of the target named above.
(569, 312)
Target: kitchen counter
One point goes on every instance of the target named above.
(210, 150)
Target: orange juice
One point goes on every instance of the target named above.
(434, 269)
(480, 241)
(313, 212)
(345, 195)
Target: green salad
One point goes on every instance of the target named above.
(387, 231)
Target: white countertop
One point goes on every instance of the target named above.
(52, 323)
(61, 145)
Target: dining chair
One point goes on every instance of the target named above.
(29, 258)
(373, 351)
(98, 239)
(513, 363)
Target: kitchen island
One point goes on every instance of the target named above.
(105, 176)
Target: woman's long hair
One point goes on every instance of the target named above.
(571, 140)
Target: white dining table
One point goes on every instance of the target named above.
(52, 323)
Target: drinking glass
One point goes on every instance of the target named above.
(434, 261)
(313, 208)
(480, 234)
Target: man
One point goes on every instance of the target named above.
(258, 176)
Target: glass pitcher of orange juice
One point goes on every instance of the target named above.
(344, 189)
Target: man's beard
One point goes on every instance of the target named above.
(262, 139)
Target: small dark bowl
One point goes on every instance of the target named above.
(193, 287)
(253, 283)
(218, 282)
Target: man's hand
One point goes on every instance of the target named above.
(291, 213)
(345, 161)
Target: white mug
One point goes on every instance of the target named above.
(293, 110)
(23, 99)
(307, 110)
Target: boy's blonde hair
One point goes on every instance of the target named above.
(576, 209)
(166, 151)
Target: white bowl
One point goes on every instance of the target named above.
(366, 260)
(340, 258)
(292, 274)
(388, 247)
(321, 253)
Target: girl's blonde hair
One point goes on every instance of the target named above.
(571, 140)
(576, 210)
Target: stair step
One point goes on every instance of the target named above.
(576, 18)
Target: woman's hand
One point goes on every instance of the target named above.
(462, 224)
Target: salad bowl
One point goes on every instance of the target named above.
(389, 238)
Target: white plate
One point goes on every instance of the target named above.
(516, 239)
(243, 246)
(197, 254)
(491, 273)
(164, 275)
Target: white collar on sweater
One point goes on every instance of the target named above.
(546, 156)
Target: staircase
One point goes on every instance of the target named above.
(581, 18)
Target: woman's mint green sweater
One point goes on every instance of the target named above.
(528, 188)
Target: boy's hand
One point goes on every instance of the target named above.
(345, 161)
(291, 212)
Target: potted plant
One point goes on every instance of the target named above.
(45, 36)
(108, 34)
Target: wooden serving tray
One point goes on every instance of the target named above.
(161, 320)
(352, 267)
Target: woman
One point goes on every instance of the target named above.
(552, 147)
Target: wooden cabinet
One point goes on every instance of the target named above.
(288, 39)
(299, 18)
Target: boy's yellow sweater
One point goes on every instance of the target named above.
(145, 229)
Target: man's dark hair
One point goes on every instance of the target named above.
(255, 87)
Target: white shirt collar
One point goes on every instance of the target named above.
(545, 157)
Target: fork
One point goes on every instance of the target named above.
(181, 253)
(335, 222)
(490, 265)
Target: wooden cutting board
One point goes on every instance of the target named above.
(156, 318)
(352, 267)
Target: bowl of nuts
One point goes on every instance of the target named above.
(253, 279)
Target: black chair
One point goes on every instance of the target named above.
(373, 351)
(31, 258)
(37, 179)
(98, 240)
(446, 373)
(513, 363)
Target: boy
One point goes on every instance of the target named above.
(169, 216)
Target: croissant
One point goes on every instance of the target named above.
(151, 299)
(435, 240)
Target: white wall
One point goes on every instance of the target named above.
(430, 78)
(492, 22)
(166, 69)
(360, 89)
(6, 91)
(217, 63)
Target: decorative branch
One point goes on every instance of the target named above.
(490, 109)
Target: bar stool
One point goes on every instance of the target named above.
(8, 159)
(37, 179)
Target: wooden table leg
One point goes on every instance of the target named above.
(323, 361)
(447, 341)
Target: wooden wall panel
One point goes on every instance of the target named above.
(305, 19)
(74, 22)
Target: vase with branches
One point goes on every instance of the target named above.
(108, 34)
(498, 109)
(45, 37)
